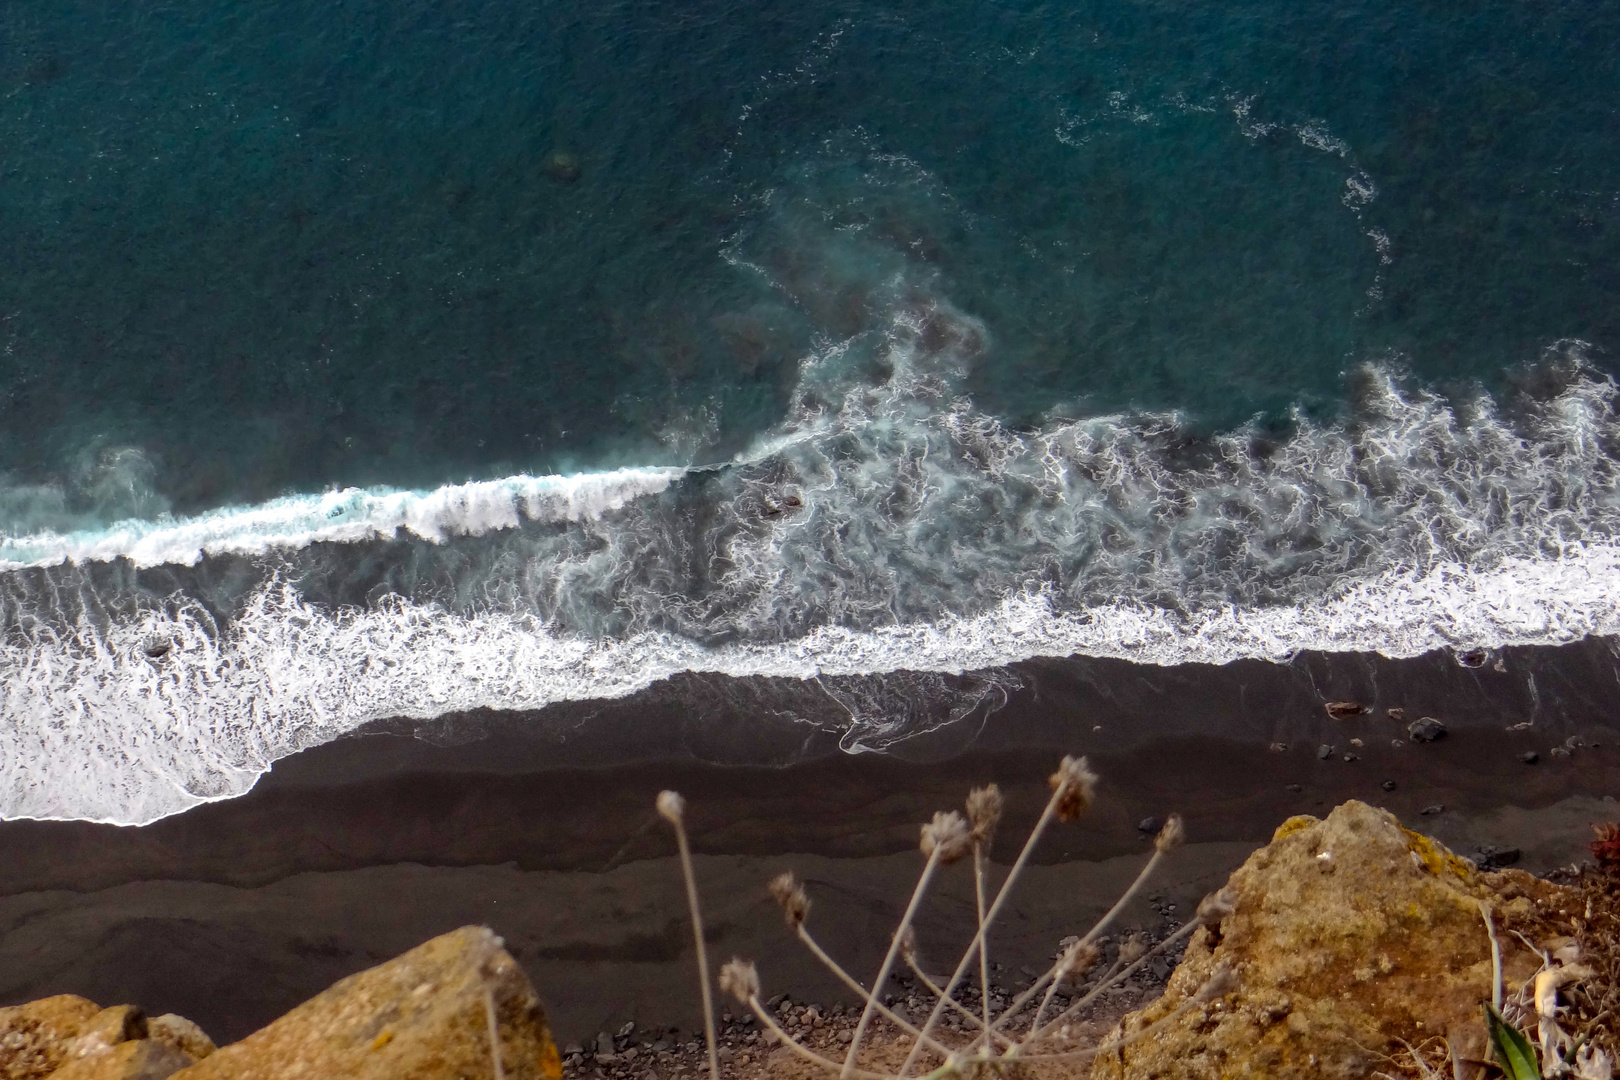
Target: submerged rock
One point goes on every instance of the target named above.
(1346, 935)
(421, 1016)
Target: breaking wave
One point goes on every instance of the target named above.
(886, 527)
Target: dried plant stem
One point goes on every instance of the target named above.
(1496, 957)
(990, 916)
(1091, 935)
(888, 963)
(494, 1033)
(848, 980)
(1117, 1044)
(702, 949)
(984, 942)
(1111, 979)
(966, 1012)
(800, 1049)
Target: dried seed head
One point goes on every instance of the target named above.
(740, 979)
(908, 943)
(1075, 784)
(790, 896)
(1171, 836)
(984, 811)
(671, 806)
(1077, 959)
(1132, 949)
(948, 833)
(1220, 981)
(1216, 906)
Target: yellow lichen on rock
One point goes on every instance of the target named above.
(1348, 933)
(420, 1016)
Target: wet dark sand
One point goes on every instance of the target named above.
(541, 826)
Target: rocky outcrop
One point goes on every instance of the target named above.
(70, 1038)
(421, 1016)
(1346, 935)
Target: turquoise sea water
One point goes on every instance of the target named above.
(334, 330)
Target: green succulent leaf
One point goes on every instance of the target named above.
(1513, 1051)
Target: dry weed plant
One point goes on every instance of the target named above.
(1021, 1032)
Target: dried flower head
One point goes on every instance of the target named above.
(1077, 959)
(789, 895)
(1132, 949)
(984, 811)
(1221, 981)
(947, 833)
(1216, 906)
(1171, 836)
(671, 806)
(740, 979)
(1076, 785)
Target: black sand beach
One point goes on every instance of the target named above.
(542, 825)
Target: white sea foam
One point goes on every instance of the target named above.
(346, 516)
(102, 731)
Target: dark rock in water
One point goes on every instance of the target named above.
(1425, 729)
(1396, 714)
(1473, 658)
(1389, 785)
(1148, 824)
(1436, 808)
(562, 167)
(1343, 710)
(1529, 757)
(1352, 757)
(1324, 752)
(1295, 788)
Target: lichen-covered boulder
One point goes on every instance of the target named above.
(34, 1037)
(421, 1016)
(1346, 935)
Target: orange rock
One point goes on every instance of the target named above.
(1347, 934)
(421, 1016)
(34, 1037)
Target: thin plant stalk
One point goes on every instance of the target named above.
(984, 941)
(990, 916)
(1052, 972)
(494, 1033)
(966, 1012)
(850, 981)
(1496, 957)
(1127, 973)
(804, 1051)
(888, 963)
(671, 805)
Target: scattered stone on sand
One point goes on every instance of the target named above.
(1344, 710)
(420, 1016)
(1324, 752)
(1295, 788)
(1346, 935)
(1425, 729)
(1396, 714)
(1389, 785)
(1278, 747)
(1433, 808)
(1529, 757)
(1148, 825)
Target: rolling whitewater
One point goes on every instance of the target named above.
(371, 361)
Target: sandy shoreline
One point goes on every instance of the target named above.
(355, 851)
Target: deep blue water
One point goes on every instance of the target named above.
(1154, 313)
(276, 246)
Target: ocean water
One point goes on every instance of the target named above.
(365, 360)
